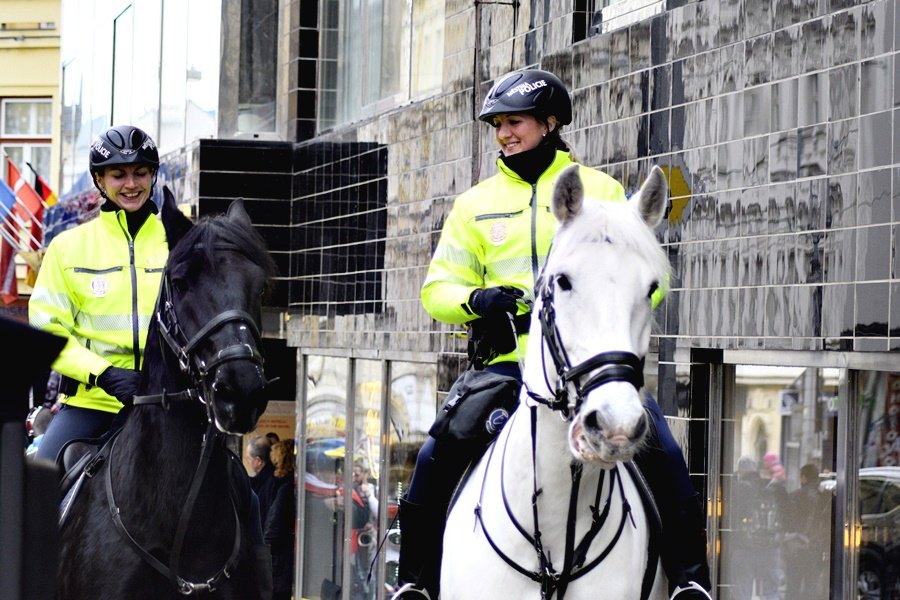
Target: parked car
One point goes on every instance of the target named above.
(879, 552)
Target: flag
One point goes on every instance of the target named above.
(41, 187)
(9, 289)
(30, 206)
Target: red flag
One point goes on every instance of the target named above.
(30, 207)
(9, 288)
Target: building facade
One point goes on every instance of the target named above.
(350, 127)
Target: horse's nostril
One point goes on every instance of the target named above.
(640, 428)
(592, 423)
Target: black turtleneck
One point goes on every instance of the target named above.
(134, 219)
(531, 164)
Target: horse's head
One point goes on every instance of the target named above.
(594, 305)
(209, 311)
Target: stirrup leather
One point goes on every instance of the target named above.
(692, 585)
(409, 591)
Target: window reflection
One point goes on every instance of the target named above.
(323, 509)
(413, 405)
(365, 477)
(779, 431)
(878, 574)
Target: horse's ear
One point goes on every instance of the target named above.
(174, 221)
(652, 198)
(237, 213)
(568, 195)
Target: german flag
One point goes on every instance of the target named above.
(40, 186)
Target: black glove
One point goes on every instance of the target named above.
(494, 301)
(120, 383)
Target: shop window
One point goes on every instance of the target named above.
(365, 469)
(878, 563)
(412, 409)
(778, 459)
(323, 505)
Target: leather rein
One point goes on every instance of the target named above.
(569, 392)
(198, 371)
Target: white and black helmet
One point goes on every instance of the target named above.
(528, 90)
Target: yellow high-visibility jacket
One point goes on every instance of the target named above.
(498, 233)
(97, 287)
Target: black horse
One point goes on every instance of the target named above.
(164, 509)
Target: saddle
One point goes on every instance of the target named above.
(78, 459)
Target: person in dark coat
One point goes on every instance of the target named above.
(279, 530)
(263, 480)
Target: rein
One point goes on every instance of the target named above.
(553, 581)
(198, 370)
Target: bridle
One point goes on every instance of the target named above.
(570, 388)
(185, 349)
(572, 385)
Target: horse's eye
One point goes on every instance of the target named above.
(180, 284)
(653, 287)
(563, 282)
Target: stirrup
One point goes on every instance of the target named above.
(692, 585)
(409, 591)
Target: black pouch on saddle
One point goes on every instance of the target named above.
(477, 406)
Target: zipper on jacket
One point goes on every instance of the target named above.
(97, 271)
(505, 215)
(534, 209)
(135, 320)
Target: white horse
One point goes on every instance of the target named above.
(590, 330)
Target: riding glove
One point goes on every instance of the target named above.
(119, 383)
(495, 301)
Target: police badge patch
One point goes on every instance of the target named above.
(99, 286)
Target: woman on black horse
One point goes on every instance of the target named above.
(97, 287)
(492, 244)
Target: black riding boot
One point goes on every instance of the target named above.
(421, 534)
(683, 544)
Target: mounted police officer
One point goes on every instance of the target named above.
(492, 246)
(97, 288)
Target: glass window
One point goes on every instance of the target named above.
(202, 87)
(27, 118)
(38, 155)
(173, 83)
(326, 415)
(878, 575)
(365, 469)
(777, 482)
(413, 405)
(259, 58)
(375, 54)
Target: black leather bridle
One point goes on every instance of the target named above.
(571, 387)
(185, 350)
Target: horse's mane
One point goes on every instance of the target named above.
(200, 243)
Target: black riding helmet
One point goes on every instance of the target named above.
(122, 145)
(529, 90)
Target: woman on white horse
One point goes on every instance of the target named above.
(492, 246)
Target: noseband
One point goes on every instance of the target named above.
(571, 387)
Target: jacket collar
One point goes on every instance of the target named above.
(560, 162)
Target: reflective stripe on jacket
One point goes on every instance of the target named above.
(97, 287)
(494, 236)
